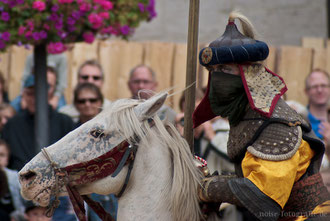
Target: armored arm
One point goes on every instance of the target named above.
(241, 192)
(216, 189)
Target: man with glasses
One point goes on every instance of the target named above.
(89, 72)
(142, 83)
(318, 92)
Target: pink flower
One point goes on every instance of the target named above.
(125, 29)
(105, 31)
(39, 5)
(66, 21)
(84, 7)
(21, 30)
(46, 27)
(5, 16)
(104, 15)
(141, 7)
(5, 36)
(107, 5)
(113, 30)
(95, 20)
(36, 36)
(28, 34)
(88, 37)
(30, 25)
(56, 47)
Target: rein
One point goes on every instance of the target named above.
(110, 163)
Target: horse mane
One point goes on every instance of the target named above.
(185, 175)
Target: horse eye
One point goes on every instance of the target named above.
(97, 133)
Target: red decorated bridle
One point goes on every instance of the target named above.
(100, 167)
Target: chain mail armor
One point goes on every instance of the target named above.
(276, 138)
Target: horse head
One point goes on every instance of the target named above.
(40, 178)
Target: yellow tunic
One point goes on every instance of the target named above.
(276, 178)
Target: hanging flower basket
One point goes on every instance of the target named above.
(57, 22)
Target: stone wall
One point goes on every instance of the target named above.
(279, 22)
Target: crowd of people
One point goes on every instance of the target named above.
(210, 137)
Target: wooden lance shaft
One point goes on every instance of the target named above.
(191, 72)
(41, 120)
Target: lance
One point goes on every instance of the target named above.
(192, 45)
(41, 120)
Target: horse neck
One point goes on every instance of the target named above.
(147, 195)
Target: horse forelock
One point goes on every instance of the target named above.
(122, 118)
(185, 176)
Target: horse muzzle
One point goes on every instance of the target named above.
(32, 188)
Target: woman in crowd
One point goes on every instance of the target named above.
(88, 100)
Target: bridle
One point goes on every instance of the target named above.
(110, 163)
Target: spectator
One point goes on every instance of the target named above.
(11, 201)
(59, 63)
(3, 91)
(142, 83)
(35, 213)
(6, 112)
(20, 104)
(318, 92)
(88, 101)
(201, 133)
(19, 134)
(92, 72)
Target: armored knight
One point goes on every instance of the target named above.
(277, 157)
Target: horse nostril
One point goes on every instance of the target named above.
(28, 175)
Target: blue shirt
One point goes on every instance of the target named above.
(315, 123)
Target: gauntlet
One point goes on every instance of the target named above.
(216, 189)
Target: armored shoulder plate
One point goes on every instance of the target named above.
(275, 138)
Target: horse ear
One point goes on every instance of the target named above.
(150, 107)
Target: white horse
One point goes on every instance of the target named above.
(163, 182)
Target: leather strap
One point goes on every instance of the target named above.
(98, 209)
(130, 167)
